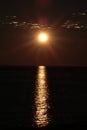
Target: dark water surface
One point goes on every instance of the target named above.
(42, 96)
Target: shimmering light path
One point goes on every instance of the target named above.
(41, 117)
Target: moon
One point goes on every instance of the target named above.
(43, 37)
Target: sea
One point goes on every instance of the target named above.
(43, 96)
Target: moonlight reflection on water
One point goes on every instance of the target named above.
(41, 116)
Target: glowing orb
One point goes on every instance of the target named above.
(43, 37)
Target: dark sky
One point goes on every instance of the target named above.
(27, 7)
(17, 49)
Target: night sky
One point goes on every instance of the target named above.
(34, 8)
(19, 50)
(26, 7)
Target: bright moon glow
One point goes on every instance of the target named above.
(43, 37)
